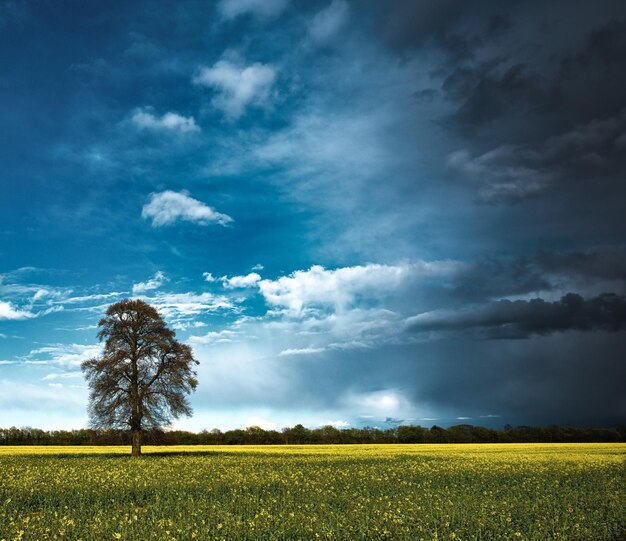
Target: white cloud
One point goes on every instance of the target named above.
(89, 298)
(214, 337)
(230, 9)
(50, 310)
(153, 283)
(340, 288)
(249, 280)
(238, 87)
(257, 267)
(64, 355)
(284, 336)
(338, 424)
(317, 310)
(9, 311)
(501, 173)
(40, 294)
(327, 23)
(261, 423)
(301, 351)
(184, 325)
(380, 404)
(208, 277)
(174, 306)
(63, 375)
(355, 328)
(165, 208)
(173, 122)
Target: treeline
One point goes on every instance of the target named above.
(299, 434)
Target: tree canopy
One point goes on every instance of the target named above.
(143, 377)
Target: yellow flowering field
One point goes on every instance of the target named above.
(539, 492)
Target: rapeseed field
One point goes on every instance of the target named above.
(520, 492)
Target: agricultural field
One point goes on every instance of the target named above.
(537, 492)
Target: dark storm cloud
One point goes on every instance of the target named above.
(607, 263)
(592, 71)
(494, 278)
(535, 91)
(492, 89)
(594, 152)
(410, 25)
(574, 378)
(490, 279)
(522, 319)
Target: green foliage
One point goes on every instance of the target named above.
(399, 492)
(325, 435)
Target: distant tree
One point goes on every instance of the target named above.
(328, 434)
(235, 437)
(411, 434)
(144, 375)
(296, 435)
(438, 435)
(216, 437)
(254, 435)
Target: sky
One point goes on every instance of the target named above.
(356, 213)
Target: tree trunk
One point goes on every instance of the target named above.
(136, 442)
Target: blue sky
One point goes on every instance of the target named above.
(355, 213)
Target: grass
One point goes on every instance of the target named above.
(533, 492)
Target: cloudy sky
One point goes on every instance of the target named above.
(356, 212)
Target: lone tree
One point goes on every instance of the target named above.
(144, 375)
